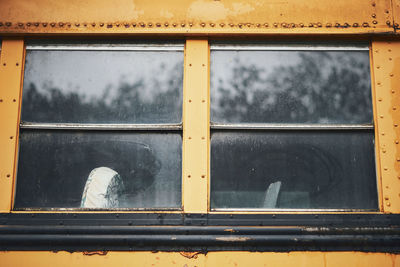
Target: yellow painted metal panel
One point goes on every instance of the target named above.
(11, 62)
(299, 259)
(386, 69)
(196, 133)
(396, 14)
(196, 16)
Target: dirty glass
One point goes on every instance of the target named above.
(332, 87)
(102, 86)
(55, 166)
(293, 169)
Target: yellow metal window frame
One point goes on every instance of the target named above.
(385, 73)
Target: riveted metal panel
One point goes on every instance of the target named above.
(196, 16)
(104, 258)
(196, 133)
(11, 63)
(396, 15)
(386, 69)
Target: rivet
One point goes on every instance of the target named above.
(378, 67)
(149, 24)
(275, 24)
(383, 150)
(396, 125)
(1, 24)
(190, 100)
(310, 25)
(8, 24)
(94, 24)
(8, 175)
(116, 24)
(203, 138)
(284, 25)
(20, 24)
(203, 101)
(390, 58)
(388, 204)
(174, 24)
(77, 24)
(385, 168)
(266, 25)
(61, 24)
(319, 24)
(11, 137)
(191, 24)
(101, 24)
(386, 198)
(17, 64)
(391, 74)
(127, 25)
(248, 25)
(222, 24)
(396, 25)
(365, 24)
(190, 137)
(375, 22)
(69, 24)
(166, 24)
(373, 4)
(4, 64)
(134, 24)
(337, 24)
(183, 24)
(240, 25)
(346, 25)
(328, 25)
(28, 24)
(389, 50)
(202, 24)
(158, 24)
(203, 176)
(189, 176)
(355, 25)
(394, 108)
(190, 64)
(381, 116)
(398, 177)
(1, 100)
(397, 141)
(258, 25)
(393, 91)
(109, 25)
(373, 15)
(44, 24)
(380, 99)
(141, 24)
(36, 24)
(212, 24)
(398, 159)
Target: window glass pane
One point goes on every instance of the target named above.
(290, 87)
(293, 169)
(103, 86)
(118, 170)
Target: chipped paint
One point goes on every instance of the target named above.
(233, 239)
(189, 255)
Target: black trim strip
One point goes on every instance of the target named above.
(200, 232)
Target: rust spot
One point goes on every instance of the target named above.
(230, 230)
(190, 255)
(91, 253)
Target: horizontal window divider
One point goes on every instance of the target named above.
(107, 47)
(288, 126)
(96, 209)
(291, 210)
(286, 47)
(101, 126)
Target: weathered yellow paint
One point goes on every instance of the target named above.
(196, 16)
(299, 259)
(386, 69)
(196, 133)
(11, 63)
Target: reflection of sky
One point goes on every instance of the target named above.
(90, 72)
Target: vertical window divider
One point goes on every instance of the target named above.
(196, 130)
(11, 69)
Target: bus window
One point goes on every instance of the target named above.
(101, 127)
(292, 128)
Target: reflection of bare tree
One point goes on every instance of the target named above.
(319, 88)
(126, 102)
